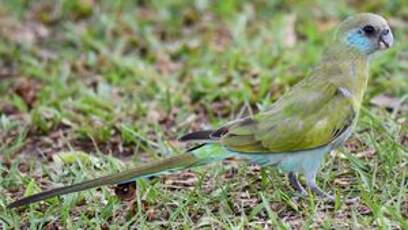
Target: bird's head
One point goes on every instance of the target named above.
(366, 33)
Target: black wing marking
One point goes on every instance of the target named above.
(211, 135)
(197, 136)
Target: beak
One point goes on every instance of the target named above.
(386, 39)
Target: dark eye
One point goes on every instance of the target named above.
(369, 29)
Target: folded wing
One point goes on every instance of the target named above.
(310, 116)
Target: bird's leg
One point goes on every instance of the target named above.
(295, 184)
(311, 183)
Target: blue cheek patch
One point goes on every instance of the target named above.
(357, 40)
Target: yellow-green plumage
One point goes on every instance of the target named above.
(314, 117)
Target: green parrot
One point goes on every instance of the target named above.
(294, 134)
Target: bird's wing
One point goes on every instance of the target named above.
(313, 114)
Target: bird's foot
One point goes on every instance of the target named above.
(302, 193)
(327, 198)
(315, 189)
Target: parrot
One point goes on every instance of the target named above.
(295, 133)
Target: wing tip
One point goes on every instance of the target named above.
(196, 136)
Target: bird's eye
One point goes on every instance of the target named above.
(369, 29)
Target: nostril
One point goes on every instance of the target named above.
(386, 31)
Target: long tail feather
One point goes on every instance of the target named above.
(176, 162)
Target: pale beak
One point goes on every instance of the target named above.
(386, 39)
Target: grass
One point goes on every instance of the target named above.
(114, 83)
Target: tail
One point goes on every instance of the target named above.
(194, 157)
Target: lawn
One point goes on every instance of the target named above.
(88, 88)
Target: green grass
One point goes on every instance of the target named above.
(121, 81)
